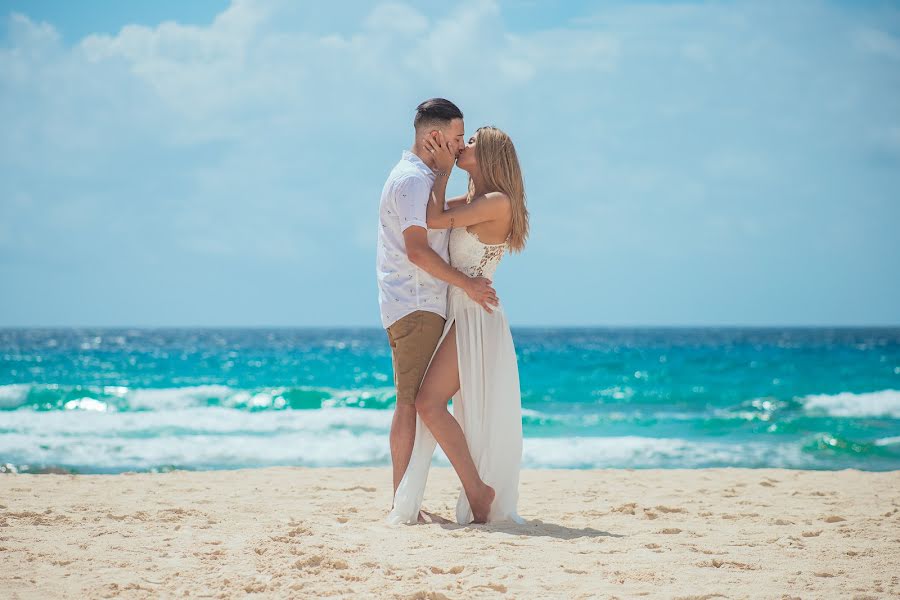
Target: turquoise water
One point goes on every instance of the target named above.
(112, 400)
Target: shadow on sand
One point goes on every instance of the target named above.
(534, 528)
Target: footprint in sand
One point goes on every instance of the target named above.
(497, 587)
(426, 596)
(833, 519)
(214, 555)
(317, 562)
(718, 564)
(293, 536)
(628, 509)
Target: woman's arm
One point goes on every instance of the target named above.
(459, 214)
(489, 207)
(435, 208)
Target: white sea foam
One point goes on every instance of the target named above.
(647, 452)
(173, 398)
(346, 448)
(193, 421)
(885, 403)
(89, 438)
(337, 448)
(121, 398)
(13, 395)
(86, 404)
(214, 437)
(219, 437)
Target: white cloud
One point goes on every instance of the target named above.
(877, 42)
(396, 18)
(235, 76)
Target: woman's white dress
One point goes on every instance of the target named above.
(488, 404)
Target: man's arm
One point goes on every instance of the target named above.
(423, 256)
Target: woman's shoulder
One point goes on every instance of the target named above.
(493, 197)
(497, 201)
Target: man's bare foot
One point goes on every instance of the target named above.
(481, 504)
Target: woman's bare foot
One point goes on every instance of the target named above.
(481, 504)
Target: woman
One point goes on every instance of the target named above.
(475, 359)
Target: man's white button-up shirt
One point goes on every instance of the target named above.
(402, 286)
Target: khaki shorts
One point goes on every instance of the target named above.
(413, 340)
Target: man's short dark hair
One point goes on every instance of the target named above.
(436, 111)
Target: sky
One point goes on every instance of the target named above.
(220, 164)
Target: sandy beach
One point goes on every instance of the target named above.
(299, 533)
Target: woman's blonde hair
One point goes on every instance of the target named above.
(499, 166)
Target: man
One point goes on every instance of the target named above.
(413, 270)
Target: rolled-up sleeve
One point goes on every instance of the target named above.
(412, 200)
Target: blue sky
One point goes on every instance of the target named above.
(220, 163)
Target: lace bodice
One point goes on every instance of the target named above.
(473, 257)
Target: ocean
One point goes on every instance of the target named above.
(112, 400)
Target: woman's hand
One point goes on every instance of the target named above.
(444, 157)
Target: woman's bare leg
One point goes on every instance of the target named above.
(440, 384)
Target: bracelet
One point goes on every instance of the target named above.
(440, 173)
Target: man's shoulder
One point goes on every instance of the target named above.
(406, 170)
(406, 176)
